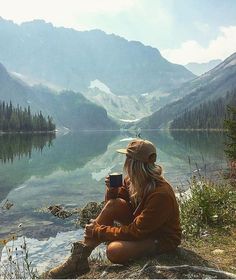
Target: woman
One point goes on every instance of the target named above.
(145, 207)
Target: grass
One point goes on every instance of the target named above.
(217, 248)
(208, 219)
(17, 264)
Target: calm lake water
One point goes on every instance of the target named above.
(40, 170)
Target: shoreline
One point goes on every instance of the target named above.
(113, 130)
(27, 132)
(213, 248)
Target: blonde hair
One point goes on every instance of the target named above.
(144, 177)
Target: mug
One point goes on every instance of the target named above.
(115, 180)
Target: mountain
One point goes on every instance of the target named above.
(68, 109)
(208, 115)
(72, 59)
(209, 86)
(126, 108)
(201, 68)
(121, 107)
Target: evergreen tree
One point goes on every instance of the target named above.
(230, 125)
(17, 119)
(208, 115)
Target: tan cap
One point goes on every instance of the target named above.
(140, 150)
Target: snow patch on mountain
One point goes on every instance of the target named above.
(100, 85)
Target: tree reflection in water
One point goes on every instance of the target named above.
(14, 146)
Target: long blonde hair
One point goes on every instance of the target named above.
(144, 177)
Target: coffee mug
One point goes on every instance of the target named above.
(115, 180)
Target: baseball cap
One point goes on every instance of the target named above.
(141, 150)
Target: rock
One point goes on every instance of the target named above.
(7, 205)
(59, 211)
(90, 211)
(218, 252)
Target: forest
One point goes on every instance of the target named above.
(208, 115)
(18, 119)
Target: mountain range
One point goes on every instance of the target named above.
(71, 59)
(92, 80)
(69, 109)
(201, 68)
(210, 86)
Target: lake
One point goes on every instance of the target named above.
(37, 171)
(40, 170)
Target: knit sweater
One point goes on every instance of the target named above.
(156, 217)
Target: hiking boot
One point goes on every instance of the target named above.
(75, 265)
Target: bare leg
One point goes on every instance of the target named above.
(77, 263)
(123, 251)
(114, 210)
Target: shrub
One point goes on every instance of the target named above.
(208, 206)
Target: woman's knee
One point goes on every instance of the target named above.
(115, 205)
(117, 202)
(120, 210)
(116, 253)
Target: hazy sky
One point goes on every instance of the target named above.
(183, 30)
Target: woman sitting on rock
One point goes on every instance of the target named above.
(145, 206)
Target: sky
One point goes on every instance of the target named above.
(182, 30)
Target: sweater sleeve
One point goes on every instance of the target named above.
(157, 210)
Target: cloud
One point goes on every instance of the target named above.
(58, 11)
(191, 51)
(148, 21)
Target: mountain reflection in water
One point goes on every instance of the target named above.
(70, 170)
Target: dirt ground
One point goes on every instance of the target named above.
(216, 252)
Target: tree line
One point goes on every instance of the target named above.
(22, 145)
(208, 115)
(218, 114)
(230, 125)
(18, 119)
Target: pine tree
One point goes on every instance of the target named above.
(230, 125)
(17, 119)
(208, 115)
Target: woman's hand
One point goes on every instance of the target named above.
(88, 232)
(111, 193)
